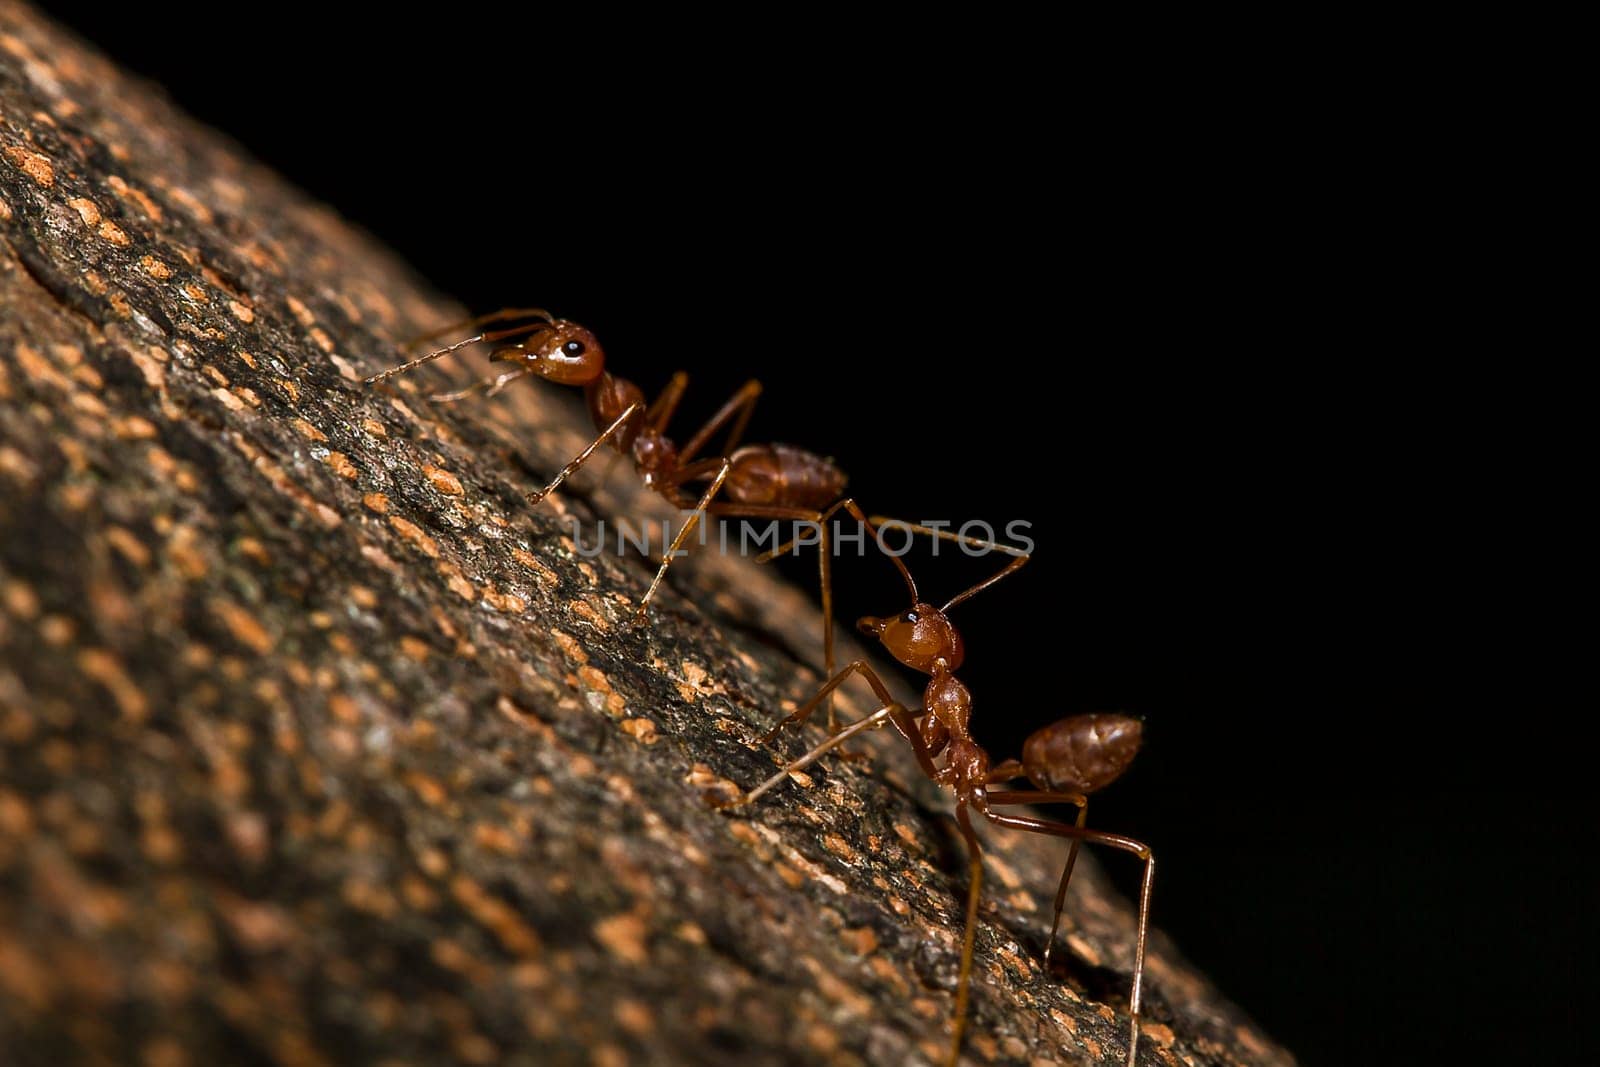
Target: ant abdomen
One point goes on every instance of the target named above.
(773, 474)
(1082, 754)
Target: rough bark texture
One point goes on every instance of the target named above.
(317, 745)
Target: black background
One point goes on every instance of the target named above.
(1159, 316)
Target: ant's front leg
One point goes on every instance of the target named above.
(903, 720)
(583, 457)
(721, 466)
(799, 716)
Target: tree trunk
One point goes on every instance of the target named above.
(318, 745)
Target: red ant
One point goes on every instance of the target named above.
(1065, 761)
(771, 481)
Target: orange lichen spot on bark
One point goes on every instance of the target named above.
(508, 603)
(128, 545)
(443, 480)
(306, 430)
(183, 549)
(245, 627)
(104, 667)
(413, 535)
(136, 197)
(457, 582)
(569, 646)
(340, 464)
(87, 210)
(634, 1016)
(17, 467)
(34, 164)
(135, 428)
(20, 599)
(301, 313)
(40, 369)
(625, 936)
(495, 915)
(641, 730)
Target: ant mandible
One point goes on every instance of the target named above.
(1065, 761)
(770, 481)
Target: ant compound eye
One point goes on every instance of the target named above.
(574, 349)
(909, 616)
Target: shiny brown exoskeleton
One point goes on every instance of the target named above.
(1065, 761)
(771, 481)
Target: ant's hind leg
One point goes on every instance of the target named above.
(1082, 803)
(1093, 837)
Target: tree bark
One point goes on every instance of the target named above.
(318, 745)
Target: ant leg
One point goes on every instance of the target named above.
(492, 335)
(969, 934)
(825, 576)
(1001, 773)
(683, 532)
(666, 403)
(871, 722)
(825, 566)
(825, 563)
(482, 320)
(805, 711)
(849, 504)
(741, 404)
(1082, 803)
(903, 720)
(970, 542)
(583, 457)
(488, 387)
(1095, 837)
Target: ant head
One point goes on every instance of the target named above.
(919, 638)
(564, 353)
